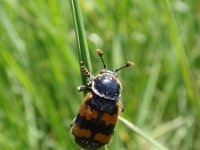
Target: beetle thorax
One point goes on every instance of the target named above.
(107, 85)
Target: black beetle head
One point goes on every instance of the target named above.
(107, 85)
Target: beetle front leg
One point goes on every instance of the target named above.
(84, 70)
(82, 88)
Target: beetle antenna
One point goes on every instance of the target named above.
(128, 64)
(100, 53)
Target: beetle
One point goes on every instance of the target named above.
(94, 125)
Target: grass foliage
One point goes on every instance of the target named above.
(39, 70)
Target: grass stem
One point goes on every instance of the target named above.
(142, 134)
(83, 51)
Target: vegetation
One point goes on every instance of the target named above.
(39, 71)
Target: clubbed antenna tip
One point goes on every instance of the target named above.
(100, 53)
(130, 64)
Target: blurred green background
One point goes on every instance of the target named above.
(39, 70)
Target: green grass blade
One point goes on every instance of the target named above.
(142, 134)
(180, 53)
(83, 51)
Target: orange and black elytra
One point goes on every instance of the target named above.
(94, 125)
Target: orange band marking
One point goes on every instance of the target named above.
(86, 111)
(102, 138)
(109, 119)
(80, 132)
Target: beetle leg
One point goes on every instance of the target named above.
(120, 106)
(84, 70)
(71, 124)
(82, 88)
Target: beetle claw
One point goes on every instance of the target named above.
(82, 88)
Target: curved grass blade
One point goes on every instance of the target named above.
(83, 51)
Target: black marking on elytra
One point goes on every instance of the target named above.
(94, 125)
